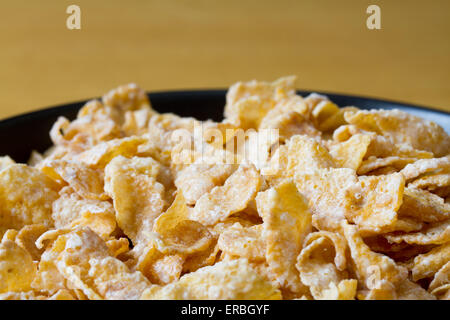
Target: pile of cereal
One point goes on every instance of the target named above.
(286, 198)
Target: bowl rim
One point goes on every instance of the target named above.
(59, 108)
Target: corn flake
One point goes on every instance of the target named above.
(26, 197)
(427, 264)
(402, 127)
(441, 281)
(138, 197)
(225, 280)
(436, 233)
(350, 153)
(17, 269)
(287, 221)
(374, 270)
(324, 253)
(423, 166)
(27, 236)
(245, 242)
(232, 197)
(325, 190)
(87, 182)
(424, 206)
(373, 202)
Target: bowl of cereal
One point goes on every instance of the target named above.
(258, 192)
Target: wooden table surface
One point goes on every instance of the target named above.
(209, 44)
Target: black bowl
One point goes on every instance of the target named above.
(21, 134)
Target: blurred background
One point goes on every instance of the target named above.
(180, 44)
